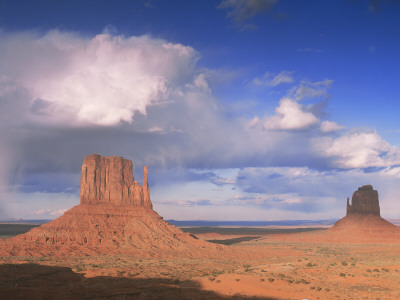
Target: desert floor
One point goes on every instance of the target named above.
(260, 268)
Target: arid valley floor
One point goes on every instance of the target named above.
(262, 267)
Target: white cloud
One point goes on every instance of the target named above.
(358, 150)
(201, 82)
(101, 80)
(290, 116)
(253, 122)
(329, 126)
(268, 80)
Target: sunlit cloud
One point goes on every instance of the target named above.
(358, 150)
(290, 116)
(103, 80)
(329, 126)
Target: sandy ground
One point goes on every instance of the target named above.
(262, 267)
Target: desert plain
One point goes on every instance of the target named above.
(113, 245)
(260, 268)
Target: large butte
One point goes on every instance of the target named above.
(115, 216)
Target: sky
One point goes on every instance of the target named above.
(242, 110)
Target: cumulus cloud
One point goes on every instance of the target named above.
(329, 126)
(272, 81)
(358, 150)
(102, 80)
(201, 82)
(290, 115)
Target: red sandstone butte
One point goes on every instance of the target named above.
(115, 216)
(364, 201)
(109, 180)
(363, 221)
(362, 224)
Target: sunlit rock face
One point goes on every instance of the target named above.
(364, 201)
(109, 180)
(115, 216)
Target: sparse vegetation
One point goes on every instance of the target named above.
(288, 273)
(310, 264)
(80, 268)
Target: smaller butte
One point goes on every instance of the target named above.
(365, 201)
(362, 224)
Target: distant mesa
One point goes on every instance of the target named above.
(115, 216)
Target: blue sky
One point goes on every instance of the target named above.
(242, 110)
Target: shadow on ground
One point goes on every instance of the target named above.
(234, 240)
(34, 281)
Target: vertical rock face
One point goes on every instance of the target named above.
(364, 201)
(109, 180)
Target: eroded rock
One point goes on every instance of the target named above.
(364, 201)
(115, 216)
(109, 180)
